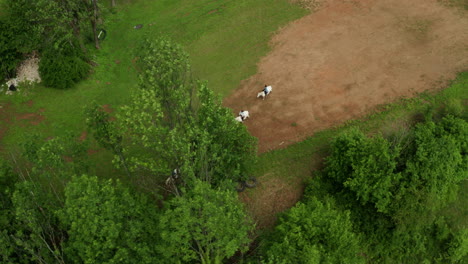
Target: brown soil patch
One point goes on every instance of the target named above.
(83, 136)
(347, 58)
(5, 119)
(29, 103)
(272, 195)
(92, 151)
(107, 108)
(33, 118)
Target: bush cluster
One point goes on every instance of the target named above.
(62, 68)
(9, 56)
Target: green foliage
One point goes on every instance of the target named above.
(166, 70)
(458, 251)
(102, 128)
(62, 68)
(170, 124)
(33, 23)
(455, 107)
(37, 236)
(9, 56)
(43, 24)
(204, 225)
(401, 188)
(56, 157)
(314, 232)
(366, 166)
(107, 224)
(105, 132)
(151, 144)
(432, 174)
(225, 149)
(8, 180)
(158, 122)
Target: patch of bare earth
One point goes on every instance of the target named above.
(5, 120)
(347, 58)
(271, 196)
(33, 118)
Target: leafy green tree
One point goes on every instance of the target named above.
(9, 252)
(433, 172)
(54, 28)
(106, 223)
(225, 149)
(366, 166)
(314, 232)
(151, 145)
(36, 23)
(401, 188)
(44, 23)
(9, 55)
(204, 225)
(105, 132)
(62, 68)
(56, 158)
(458, 251)
(173, 122)
(38, 236)
(166, 70)
(30, 230)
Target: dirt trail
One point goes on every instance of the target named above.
(345, 59)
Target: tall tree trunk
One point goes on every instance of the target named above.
(112, 3)
(94, 24)
(77, 34)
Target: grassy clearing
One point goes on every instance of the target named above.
(299, 161)
(224, 38)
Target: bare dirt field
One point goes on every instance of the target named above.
(345, 59)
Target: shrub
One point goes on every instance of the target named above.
(62, 68)
(9, 56)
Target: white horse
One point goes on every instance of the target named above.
(239, 119)
(244, 114)
(266, 91)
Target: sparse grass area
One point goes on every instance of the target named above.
(309, 4)
(416, 27)
(299, 161)
(457, 3)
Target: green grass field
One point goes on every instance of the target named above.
(223, 42)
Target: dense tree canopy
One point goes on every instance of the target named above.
(401, 187)
(314, 232)
(9, 54)
(366, 166)
(43, 23)
(204, 225)
(105, 223)
(57, 30)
